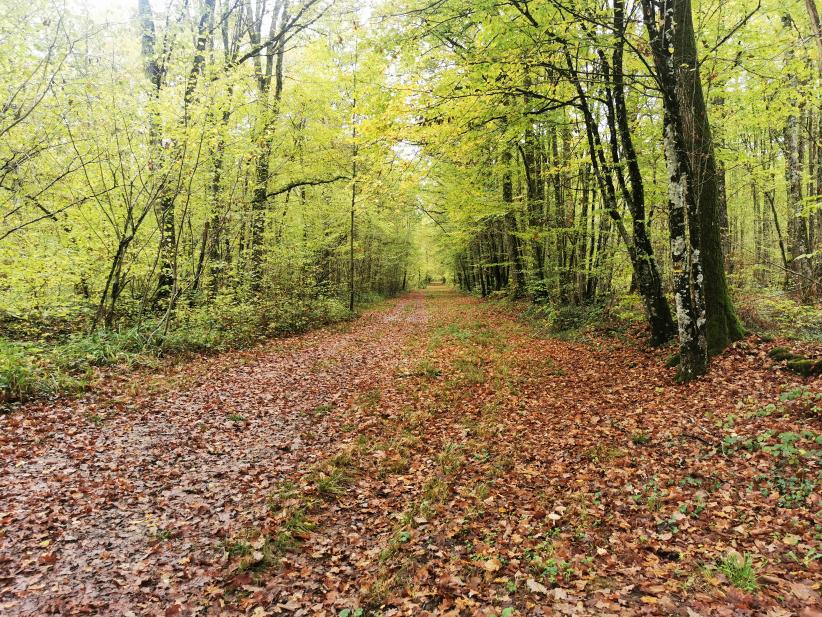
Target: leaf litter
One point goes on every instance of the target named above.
(437, 457)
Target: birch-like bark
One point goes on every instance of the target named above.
(683, 215)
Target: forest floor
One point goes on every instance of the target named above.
(437, 456)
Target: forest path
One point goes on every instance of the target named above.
(116, 501)
(435, 457)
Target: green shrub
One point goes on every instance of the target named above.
(577, 320)
(541, 312)
(776, 314)
(17, 371)
(568, 318)
(28, 370)
(101, 348)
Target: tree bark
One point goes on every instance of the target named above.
(155, 73)
(723, 326)
(683, 212)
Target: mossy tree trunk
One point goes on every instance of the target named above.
(723, 326)
(683, 211)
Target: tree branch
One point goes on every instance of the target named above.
(298, 183)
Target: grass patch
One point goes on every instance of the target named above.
(739, 571)
(640, 439)
(331, 484)
(435, 490)
(253, 550)
(426, 368)
(291, 509)
(95, 419)
(331, 479)
(322, 410)
(453, 332)
(603, 454)
(370, 398)
(470, 369)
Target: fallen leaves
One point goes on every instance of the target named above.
(128, 513)
(490, 481)
(536, 587)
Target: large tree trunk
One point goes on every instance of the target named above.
(683, 211)
(648, 280)
(723, 326)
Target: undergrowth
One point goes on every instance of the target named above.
(776, 314)
(42, 360)
(769, 313)
(577, 322)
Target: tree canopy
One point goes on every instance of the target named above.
(198, 159)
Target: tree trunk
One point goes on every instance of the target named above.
(510, 224)
(641, 255)
(155, 73)
(722, 326)
(683, 213)
(799, 263)
(648, 280)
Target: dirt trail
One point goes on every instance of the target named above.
(440, 457)
(101, 502)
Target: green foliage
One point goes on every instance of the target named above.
(542, 562)
(777, 314)
(87, 167)
(739, 571)
(640, 438)
(794, 457)
(226, 324)
(573, 322)
(331, 484)
(649, 494)
(29, 370)
(569, 318)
